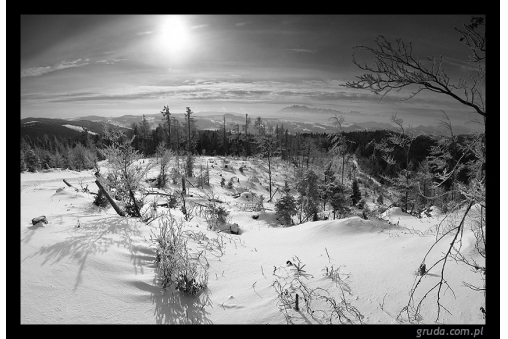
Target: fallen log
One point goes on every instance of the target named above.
(67, 183)
(111, 201)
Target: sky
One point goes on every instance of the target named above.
(113, 65)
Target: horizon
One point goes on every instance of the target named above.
(115, 65)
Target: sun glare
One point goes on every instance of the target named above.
(174, 37)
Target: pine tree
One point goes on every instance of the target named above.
(32, 160)
(337, 197)
(307, 187)
(356, 196)
(190, 130)
(189, 164)
(23, 166)
(285, 207)
(167, 115)
(267, 147)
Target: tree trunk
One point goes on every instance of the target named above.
(270, 177)
(135, 203)
(68, 184)
(111, 201)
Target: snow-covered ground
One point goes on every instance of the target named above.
(90, 266)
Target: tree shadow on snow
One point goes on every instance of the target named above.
(174, 307)
(90, 239)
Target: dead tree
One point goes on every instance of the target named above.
(396, 67)
(111, 201)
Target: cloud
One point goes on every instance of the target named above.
(144, 33)
(232, 90)
(300, 50)
(240, 24)
(199, 26)
(465, 66)
(109, 61)
(37, 71)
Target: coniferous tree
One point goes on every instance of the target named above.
(32, 160)
(189, 165)
(395, 67)
(190, 130)
(356, 196)
(23, 166)
(307, 187)
(167, 116)
(267, 147)
(285, 206)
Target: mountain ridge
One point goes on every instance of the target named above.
(211, 120)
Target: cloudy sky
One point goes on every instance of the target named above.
(114, 65)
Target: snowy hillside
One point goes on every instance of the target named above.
(88, 265)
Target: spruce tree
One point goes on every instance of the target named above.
(356, 196)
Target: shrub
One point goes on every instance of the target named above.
(125, 173)
(175, 176)
(132, 209)
(230, 184)
(100, 200)
(172, 201)
(174, 265)
(216, 216)
(162, 177)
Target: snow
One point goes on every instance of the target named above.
(77, 128)
(103, 272)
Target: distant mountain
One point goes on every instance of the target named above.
(37, 127)
(214, 121)
(327, 111)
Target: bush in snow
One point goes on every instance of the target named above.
(174, 265)
(216, 216)
(100, 200)
(162, 178)
(230, 184)
(125, 174)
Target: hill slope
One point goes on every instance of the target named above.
(91, 266)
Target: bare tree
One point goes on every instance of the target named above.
(339, 143)
(396, 67)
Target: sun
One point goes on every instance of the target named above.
(174, 36)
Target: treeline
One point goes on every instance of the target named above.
(302, 150)
(59, 152)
